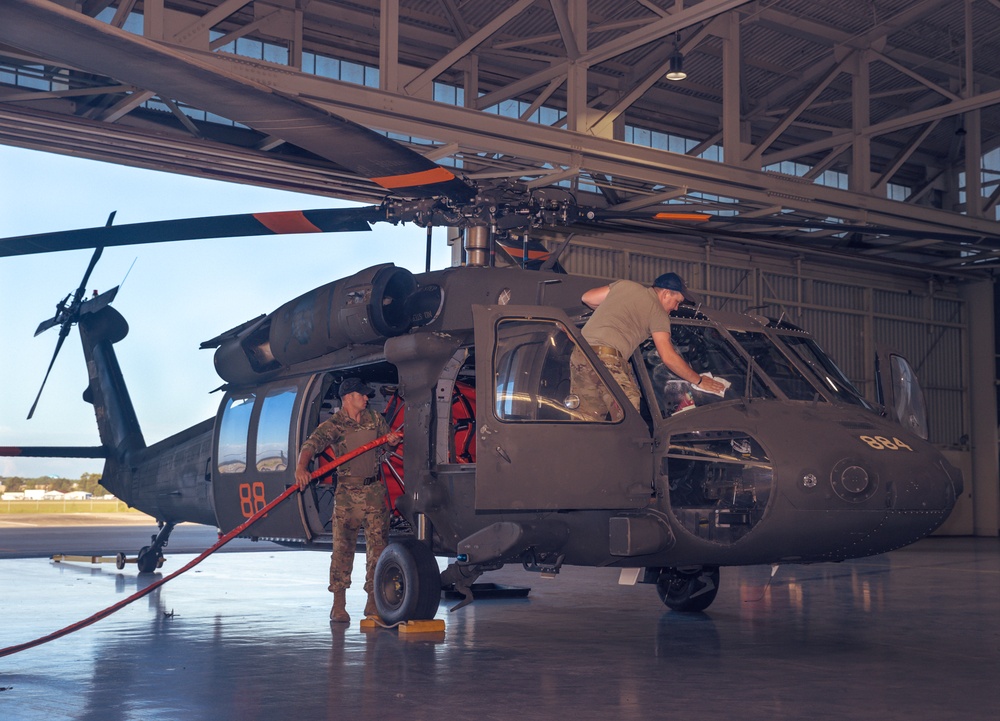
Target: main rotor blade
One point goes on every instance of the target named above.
(329, 220)
(44, 28)
(786, 222)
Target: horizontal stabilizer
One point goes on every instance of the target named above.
(54, 451)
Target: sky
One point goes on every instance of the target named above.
(175, 296)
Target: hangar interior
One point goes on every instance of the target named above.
(779, 119)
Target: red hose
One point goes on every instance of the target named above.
(223, 540)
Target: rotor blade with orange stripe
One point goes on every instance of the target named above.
(530, 256)
(44, 28)
(778, 222)
(328, 220)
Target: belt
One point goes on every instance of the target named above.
(606, 350)
(364, 481)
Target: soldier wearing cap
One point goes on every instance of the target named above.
(360, 498)
(625, 314)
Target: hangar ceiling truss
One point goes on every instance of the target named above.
(880, 112)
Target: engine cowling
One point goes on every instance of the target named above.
(366, 307)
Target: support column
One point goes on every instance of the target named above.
(388, 53)
(973, 130)
(861, 158)
(732, 141)
(576, 80)
(152, 19)
(985, 481)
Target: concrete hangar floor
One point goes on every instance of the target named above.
(914, 634)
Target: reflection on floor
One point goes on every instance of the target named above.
(911, 635)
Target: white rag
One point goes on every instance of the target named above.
(721, 393)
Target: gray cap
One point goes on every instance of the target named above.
(355, 385)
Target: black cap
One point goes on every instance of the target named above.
(672, 281)
(355, 385)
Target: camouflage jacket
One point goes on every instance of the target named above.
(343, 435)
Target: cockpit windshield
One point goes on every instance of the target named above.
(707, 351)
(776, 365)
(824, 369)
(710, 351)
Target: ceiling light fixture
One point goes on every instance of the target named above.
(676, 71)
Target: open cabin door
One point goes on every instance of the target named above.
(899, 391)
(537, 449)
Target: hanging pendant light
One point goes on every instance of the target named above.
(676, 71)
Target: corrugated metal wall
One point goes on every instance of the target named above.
(850, 312)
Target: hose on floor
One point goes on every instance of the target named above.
(223, 540)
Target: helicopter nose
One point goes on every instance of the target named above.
(925, 487)
(918, 499)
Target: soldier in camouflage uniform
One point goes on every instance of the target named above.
(360, 498)
(625, 314)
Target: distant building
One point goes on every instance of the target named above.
(78, 496)
(54, 496)
(34, 494)
(12, 496)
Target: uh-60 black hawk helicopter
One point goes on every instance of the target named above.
(498, 466)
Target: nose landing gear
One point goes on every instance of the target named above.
(688, 589)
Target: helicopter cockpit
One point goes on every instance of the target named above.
(720, 478)
(786, 364)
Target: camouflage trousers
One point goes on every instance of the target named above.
(596, 401)
(355, 506)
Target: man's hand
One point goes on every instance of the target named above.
(302, 478)
(393, 438)
(711, 385)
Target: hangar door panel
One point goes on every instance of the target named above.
(539, 446)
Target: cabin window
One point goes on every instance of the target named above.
(233, 433)
(273, 430)
(533, 381)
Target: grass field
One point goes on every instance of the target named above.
(50, 507)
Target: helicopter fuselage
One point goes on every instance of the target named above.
(789, 465)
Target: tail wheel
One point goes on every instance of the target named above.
(148, 560)
(407, 582)
(689, 589)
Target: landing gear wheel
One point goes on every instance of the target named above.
(689, 589)
(120, 560)
(407, 582)
(148, 560)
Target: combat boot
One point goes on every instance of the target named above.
(339, 612)
(370, 608)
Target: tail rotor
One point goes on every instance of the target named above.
(68, 312)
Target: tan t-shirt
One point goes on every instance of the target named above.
(628, 315)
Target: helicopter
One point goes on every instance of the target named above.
(498, 465)
(791, 465)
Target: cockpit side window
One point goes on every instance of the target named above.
(908, 398)
(707, 351)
